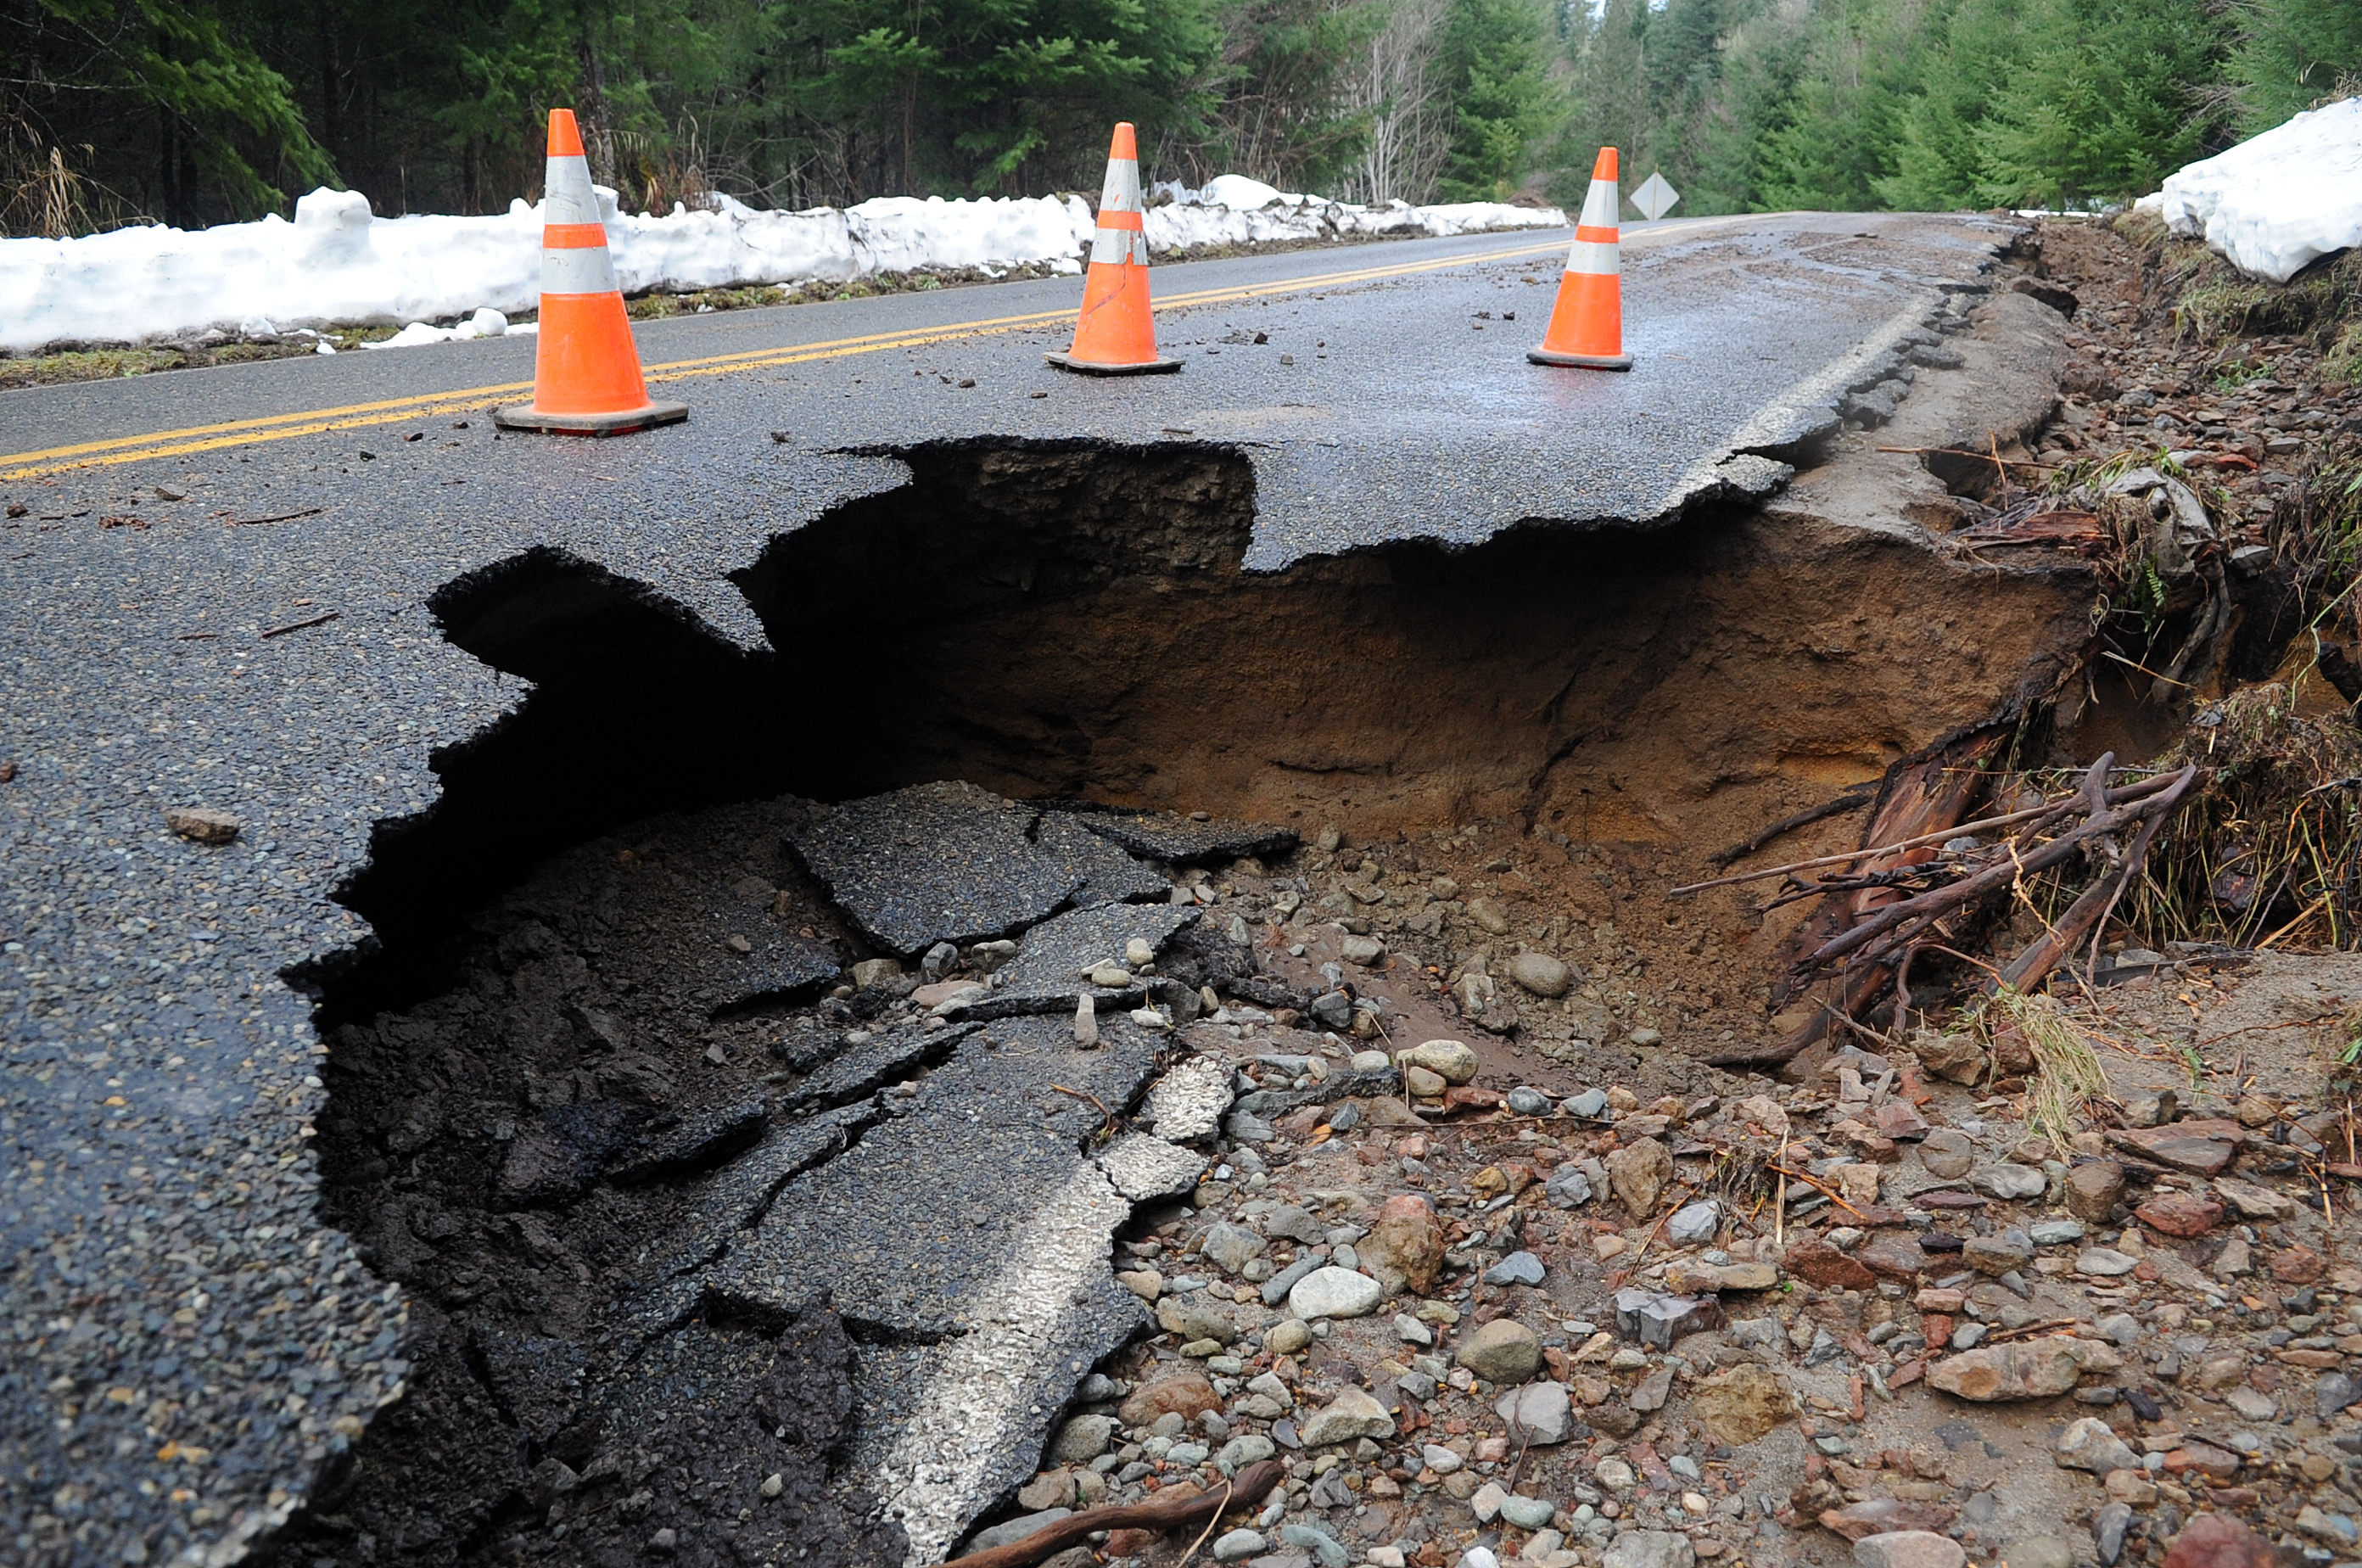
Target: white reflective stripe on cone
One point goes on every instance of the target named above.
(1599, 205)
(578, 270)
(1121, 192)
(1593, 256)
(1109, 246)
(567, 195)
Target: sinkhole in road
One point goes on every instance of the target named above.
(695, 1244)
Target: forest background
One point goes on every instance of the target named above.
(121, 110)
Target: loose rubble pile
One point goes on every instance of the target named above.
(1480, 1324)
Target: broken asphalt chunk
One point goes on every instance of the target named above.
(1166, 836)
(944, 862)
(887, 1057)
(1052, 970)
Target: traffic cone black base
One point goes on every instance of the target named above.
(1094, 367)
(525, 416)
(1581, 361)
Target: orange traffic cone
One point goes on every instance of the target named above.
(1586, 327)
(1114, 336)
(586, 369)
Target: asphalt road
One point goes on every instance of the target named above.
(183, 1344)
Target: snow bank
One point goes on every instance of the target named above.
(2276, 201)
(336, 265)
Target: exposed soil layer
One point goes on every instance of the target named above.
(549, 1070)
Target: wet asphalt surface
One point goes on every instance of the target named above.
(184, 1344)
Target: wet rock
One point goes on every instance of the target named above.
(1818, 1264)
(2254, 1201)
(2180, 1214)
(201, 825)
(1405, 1248)
(2093, 1189)
(2203, 1147)
(1541, 974)
(1890, 1256)
(1657, 1319)
(1650, 1393)
(2091, 1444)
(2039, 1552)
(1884, 1516)
(1569, 1188)
(1082, 1439)
(1188, 1318)
(1947, 1152)
(1908, 1549)
(1237, 1545)
(2220, 1540)
(1519, 1268)
(1326, 1548)
(1354, 1413)
(1649, 1549)
(1334, 1292)
(2009, 1182)
(1956, 1058)
(1538, 1413)
(1639, 1173)
(1183, 1391)
(2034, 1369)
(2107, 1527)
(1694, 1223)
(1230, 1247)
(2001, 1252)
(1527, 1513)
(2297, 1264)
(1503, 1350)
(1449, 1060)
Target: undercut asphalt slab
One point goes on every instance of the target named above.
(185, 1344)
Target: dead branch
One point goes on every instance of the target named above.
(1982, 825)
(1852, 799)
(1199, 1508)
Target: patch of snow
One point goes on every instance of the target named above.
(337, 265)
(2277, 201)
(486, 323)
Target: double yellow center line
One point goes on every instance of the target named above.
(312, 422)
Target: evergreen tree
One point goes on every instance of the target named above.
(1497, 59)
(2291, 52)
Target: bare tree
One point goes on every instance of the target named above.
(1394, 86)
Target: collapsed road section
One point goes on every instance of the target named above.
(613, 1253)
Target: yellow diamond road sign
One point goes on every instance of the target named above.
(1655, 198)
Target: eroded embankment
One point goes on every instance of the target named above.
(553, 1077)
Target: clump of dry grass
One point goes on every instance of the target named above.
(2066, 1074)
